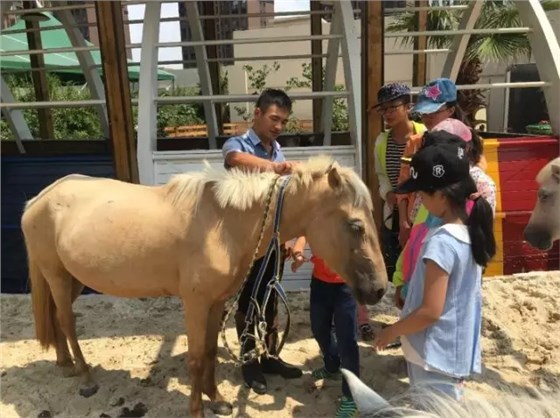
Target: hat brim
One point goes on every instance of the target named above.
(400, 96)
(425, 108)
(408, 186)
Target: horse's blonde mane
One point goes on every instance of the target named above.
(424, 402)
(546, 171)
(240, 189)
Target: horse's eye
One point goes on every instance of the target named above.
(357, 225)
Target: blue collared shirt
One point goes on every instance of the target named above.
(452, 344)
(250, 143)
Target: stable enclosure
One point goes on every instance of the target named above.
(348, 53)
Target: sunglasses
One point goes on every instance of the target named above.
(388, 109)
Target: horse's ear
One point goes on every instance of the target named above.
(556, 171)
(367, 400)
(335, 181)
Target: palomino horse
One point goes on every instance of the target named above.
(193, 237)
(544, 226)
(423, 402)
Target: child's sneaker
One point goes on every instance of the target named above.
(347, 408)
(323, 373)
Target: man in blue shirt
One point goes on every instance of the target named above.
(259, 150)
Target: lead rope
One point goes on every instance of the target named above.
(257, 319)
(234, 303)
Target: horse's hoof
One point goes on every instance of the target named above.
(90, 390)
(221, 408)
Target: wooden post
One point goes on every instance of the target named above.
(316, 63)
(39, 77)
(117, 89)
(419, 77)
(373, 78)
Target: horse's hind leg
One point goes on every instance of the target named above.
(64, 291)
(63, 357)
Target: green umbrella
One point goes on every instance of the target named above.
(54, 38)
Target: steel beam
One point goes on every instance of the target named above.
(547, 54)
(460, 42)
(148, 92)
(333, 49)
(87, 65)
(203, 71)
(14, 117)
(351, 56)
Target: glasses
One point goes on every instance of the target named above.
(388, 109)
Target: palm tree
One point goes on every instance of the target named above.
(481, 48)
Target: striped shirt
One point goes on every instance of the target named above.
(393, 160)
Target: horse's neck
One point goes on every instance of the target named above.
(296, 213)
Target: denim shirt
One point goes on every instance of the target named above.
(452, 344)
(250, 143)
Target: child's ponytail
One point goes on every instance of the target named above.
(477, 215)
(481, 230)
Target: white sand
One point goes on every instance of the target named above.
(137, 348)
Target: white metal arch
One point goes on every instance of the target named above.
(547, 54)
(343, 37)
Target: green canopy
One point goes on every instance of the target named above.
(54, 38)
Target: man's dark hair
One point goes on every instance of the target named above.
(276, 97)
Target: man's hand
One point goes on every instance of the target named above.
(283, 168)
(391, 199)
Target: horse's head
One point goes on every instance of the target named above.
(544, 226)
(340, 229)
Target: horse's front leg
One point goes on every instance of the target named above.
(196, 321)
(219, 405)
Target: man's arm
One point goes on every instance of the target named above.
(248, 161)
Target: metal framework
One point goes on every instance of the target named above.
(342, 37)
(343, 41)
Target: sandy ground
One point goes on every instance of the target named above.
(137, 349)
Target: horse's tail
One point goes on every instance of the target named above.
(44, 309)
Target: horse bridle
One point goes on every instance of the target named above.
(256, 313)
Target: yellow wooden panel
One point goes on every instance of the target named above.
(491, 153)
(496, 266)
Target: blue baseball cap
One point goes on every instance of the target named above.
(435, 95)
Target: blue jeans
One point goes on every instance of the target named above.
(330, 301)
(450, 386)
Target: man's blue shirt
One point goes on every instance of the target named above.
(250, 143)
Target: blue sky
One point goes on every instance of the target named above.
(169, 31)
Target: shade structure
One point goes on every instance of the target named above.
(54, 62)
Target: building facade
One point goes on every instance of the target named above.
(245, 14)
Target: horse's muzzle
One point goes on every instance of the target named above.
(367, 291)
(538, 238)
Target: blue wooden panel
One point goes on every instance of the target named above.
(22, 178)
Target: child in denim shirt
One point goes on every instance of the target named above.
(441, 320)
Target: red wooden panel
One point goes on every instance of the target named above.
(520, 160)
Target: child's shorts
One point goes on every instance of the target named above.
(449, 386)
